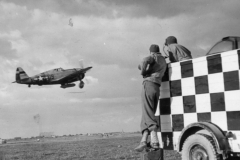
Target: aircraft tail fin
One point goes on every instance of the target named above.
(21, 75)
(81, 63)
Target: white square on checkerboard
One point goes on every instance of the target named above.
(203, 103)
(159, 134)
(239, 76)
(175, 71)
(157, 113)
(176, 138)
(232, 100)
(188, 86)
(189, 118)
(230, 61)
(177, 105)
(200, 66)
(220, 119)
(215, 82)
(166, 123)
(164, 90)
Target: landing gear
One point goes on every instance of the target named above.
(81, 84)
(29, 85)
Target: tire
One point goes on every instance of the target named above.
(200, 147)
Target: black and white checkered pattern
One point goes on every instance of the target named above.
(200, 90)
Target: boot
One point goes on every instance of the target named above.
(143, 143)
(154, 140)
(141, 147)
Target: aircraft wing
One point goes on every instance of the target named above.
(73, 75)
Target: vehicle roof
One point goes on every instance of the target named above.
(230, 37)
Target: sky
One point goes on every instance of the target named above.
(112, 36)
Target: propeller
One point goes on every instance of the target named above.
(81, 63)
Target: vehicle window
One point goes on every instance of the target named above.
(222, 46)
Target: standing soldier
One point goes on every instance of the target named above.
(152, 69)
(176, 51)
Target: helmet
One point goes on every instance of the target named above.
(154, 48)
(171, 40)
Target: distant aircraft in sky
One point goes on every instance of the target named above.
(64, 77)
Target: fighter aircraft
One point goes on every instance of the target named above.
(64, 77)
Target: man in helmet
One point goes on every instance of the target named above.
(152, 69)
(176, 51)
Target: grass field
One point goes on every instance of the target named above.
(75, 148)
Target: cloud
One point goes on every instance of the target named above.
(131, 9)
(6, 50)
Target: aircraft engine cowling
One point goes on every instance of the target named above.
(81, 84)
(81, 76)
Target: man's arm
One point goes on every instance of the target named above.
(145, 66)
(172, 50)
(171, 57)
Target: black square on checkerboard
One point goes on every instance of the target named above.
(231, 80)
(165, 76)
(217, 102)
(165, 106)
(186, 69)
(189, 104)
(177, 122)
(201, 84)
(214, 64)
(233, 119)
(175, 88)
(238, 58)
(167, 138)
(204, 117)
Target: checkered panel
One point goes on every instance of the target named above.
(233, 119)
(165, 90)
(231, 80)
(220, 119)
(214, 64)
(175, 88)
(189, 104)
(216, 83)
(176, 134)
(201, 84)
(232, 100)
(177, 105)
(200, 66)
(186, 69)
(204, 117)
(205, 89)
(166, 125)
(203, 103)
(229, 61)
(189, 118)
(174, 71)
(188, 86)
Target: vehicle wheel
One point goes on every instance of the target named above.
(199, 147)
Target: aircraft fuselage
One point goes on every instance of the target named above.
(55, 76)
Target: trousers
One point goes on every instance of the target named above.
(150, 95)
